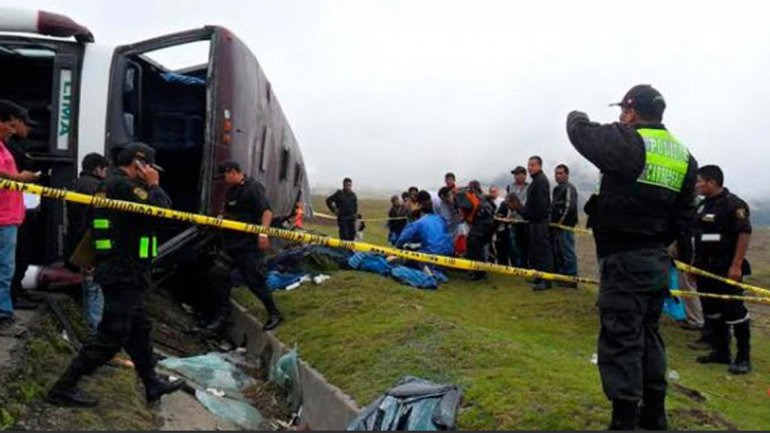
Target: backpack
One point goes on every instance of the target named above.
(468, 203)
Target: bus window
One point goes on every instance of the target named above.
(285, 157)
(297, 175)
(266, 138)
(28, 76)
(159, 96)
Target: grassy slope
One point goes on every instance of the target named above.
(45, 357)
(522, 358)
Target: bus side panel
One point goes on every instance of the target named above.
(243, 93)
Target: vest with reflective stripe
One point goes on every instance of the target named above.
(105, 242)
(636, 214)
(666, 160)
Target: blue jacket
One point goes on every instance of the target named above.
(432, 234)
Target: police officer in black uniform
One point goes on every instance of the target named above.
(722, 236)
(125, 246)
(645, 201)
(246, 201)
(344, 204)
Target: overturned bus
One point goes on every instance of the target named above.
(88, 98)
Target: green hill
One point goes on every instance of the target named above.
(523, 359)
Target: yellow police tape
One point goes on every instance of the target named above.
(294, 236)
(688, 268)
(572, 229)
(693, 270)
(687, 294)
(333, 217)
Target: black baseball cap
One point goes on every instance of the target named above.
(18, 112)
(644, 99)
(226, 166)
(140, 151)
(518, 169)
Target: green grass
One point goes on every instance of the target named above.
(521, 358)
(45, 356)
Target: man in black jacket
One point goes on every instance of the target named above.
(125, 246)
(344, 204)
(644, 203)
(537, 210)
(246, 200)
(94, 172)
(564, 212)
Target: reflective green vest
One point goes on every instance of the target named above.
(147, 247)
(666, 162)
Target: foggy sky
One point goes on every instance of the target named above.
(394, 93)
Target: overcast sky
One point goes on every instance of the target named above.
(394, 93)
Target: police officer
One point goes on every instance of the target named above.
(344, 204)
(125, 246)
(644, 202)
(722, 235)
(246, 200)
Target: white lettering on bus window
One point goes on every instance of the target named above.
(65, 110)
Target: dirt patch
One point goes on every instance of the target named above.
(692, 394)
(703, 419)
(268, 397)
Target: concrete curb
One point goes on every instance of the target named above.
(324, 406)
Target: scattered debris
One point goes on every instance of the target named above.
(413, 404)
(673, 375)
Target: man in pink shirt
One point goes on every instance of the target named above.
(11, 216)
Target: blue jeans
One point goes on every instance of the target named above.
(7, 267)
(564, 252)
(93, 301)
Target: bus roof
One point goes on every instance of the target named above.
(42, 23)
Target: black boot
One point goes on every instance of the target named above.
(65, 391)
(625, 415)
(742, 364)
(274, 316)
(156, 387)
(218, 325)
(653, 414)
(720, 339)
(273, 321)
(542, 285)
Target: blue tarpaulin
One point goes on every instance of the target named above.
(413, 404)
(417, 278)
(370, 263)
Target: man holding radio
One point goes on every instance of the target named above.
(125, 246)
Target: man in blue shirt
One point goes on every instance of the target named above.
(430, 231)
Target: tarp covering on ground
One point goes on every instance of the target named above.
(413, 404)
(421, 279)
(285, 373)
(219, 386)
(213, 370)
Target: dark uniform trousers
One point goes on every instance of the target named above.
(632, 358)
(347, 226)
(727, 310)
(720, 314)
(522, 235)
(250, 262)
(479, 236)
(540, 247)
(124, 325)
